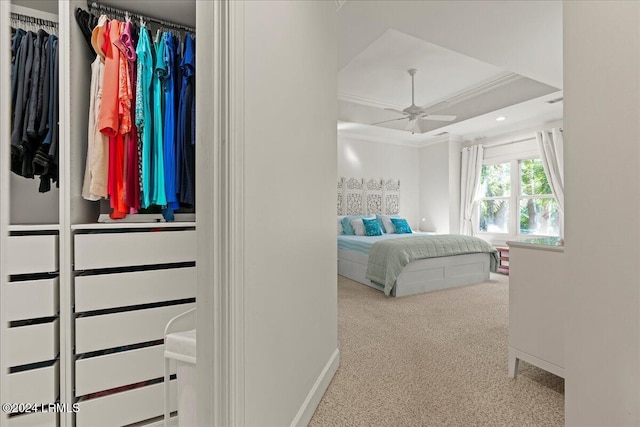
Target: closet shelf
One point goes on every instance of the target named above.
(34, 227)
(120, 225)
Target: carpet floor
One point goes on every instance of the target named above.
(435, 359)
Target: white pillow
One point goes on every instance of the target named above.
(358, 226)
(340, 228)
(387, 224)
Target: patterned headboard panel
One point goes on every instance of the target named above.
(357, 196)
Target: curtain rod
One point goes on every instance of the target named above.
(33, 20)
(498, 144)
(101, 7)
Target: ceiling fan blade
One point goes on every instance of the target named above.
(397, 111)
(439, 117)
(385, 121)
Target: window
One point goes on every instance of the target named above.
(517, 204)
(538, 208)
(495, 186)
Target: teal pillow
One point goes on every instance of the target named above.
(346, 224)
(371, 227)
(401, 225)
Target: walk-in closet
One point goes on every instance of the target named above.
(88, 282)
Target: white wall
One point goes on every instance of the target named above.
(439, 172)
(290, 191)
(602, 135)
(358, 158)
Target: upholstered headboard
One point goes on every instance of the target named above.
(358, 196)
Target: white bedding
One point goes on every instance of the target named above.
(362, 244)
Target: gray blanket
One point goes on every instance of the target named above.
(388, 258)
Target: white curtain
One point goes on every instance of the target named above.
(551, 147)
(471, 167)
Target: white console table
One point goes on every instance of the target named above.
(537, 305)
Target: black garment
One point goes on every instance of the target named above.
(23, 82)
(16, 39)
(35, 96)
(46, 159)
(43, 126)
(86, 22)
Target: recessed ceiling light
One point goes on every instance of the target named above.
(501, 118)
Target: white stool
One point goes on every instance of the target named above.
(180, 345)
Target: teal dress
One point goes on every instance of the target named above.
(158, 192)
(144, 119)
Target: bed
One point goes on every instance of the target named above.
(412, 270)
(398, 268)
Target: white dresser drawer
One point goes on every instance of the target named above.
(32, 344)
(109, 250)
(141, 287)
(34, 386)
(129, 327)
(31, 299)
(125, 408)
(38, 419)
(114, 370)
(32, 254)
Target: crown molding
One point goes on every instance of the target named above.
(476, 90)
(368, 102)
(397, 142)
(436, 140)
(471, 92)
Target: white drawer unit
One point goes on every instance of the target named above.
(113, 370)
(111, 250)
(34, 386)
(141, 287)
(31, 299)
(126, 328)
(125, 408)
(32, 254)
(537, 302)
(38, 419)
(33, 343)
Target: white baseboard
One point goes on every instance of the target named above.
(310, 404)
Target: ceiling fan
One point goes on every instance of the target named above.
(413, 113)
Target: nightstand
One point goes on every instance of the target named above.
(503, 255)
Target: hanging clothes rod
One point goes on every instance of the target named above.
(121, 12)
(32, 20)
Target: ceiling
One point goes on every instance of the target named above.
(475, 60)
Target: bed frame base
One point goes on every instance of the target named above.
(422, 275)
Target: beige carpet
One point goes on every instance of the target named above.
(436, 359)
